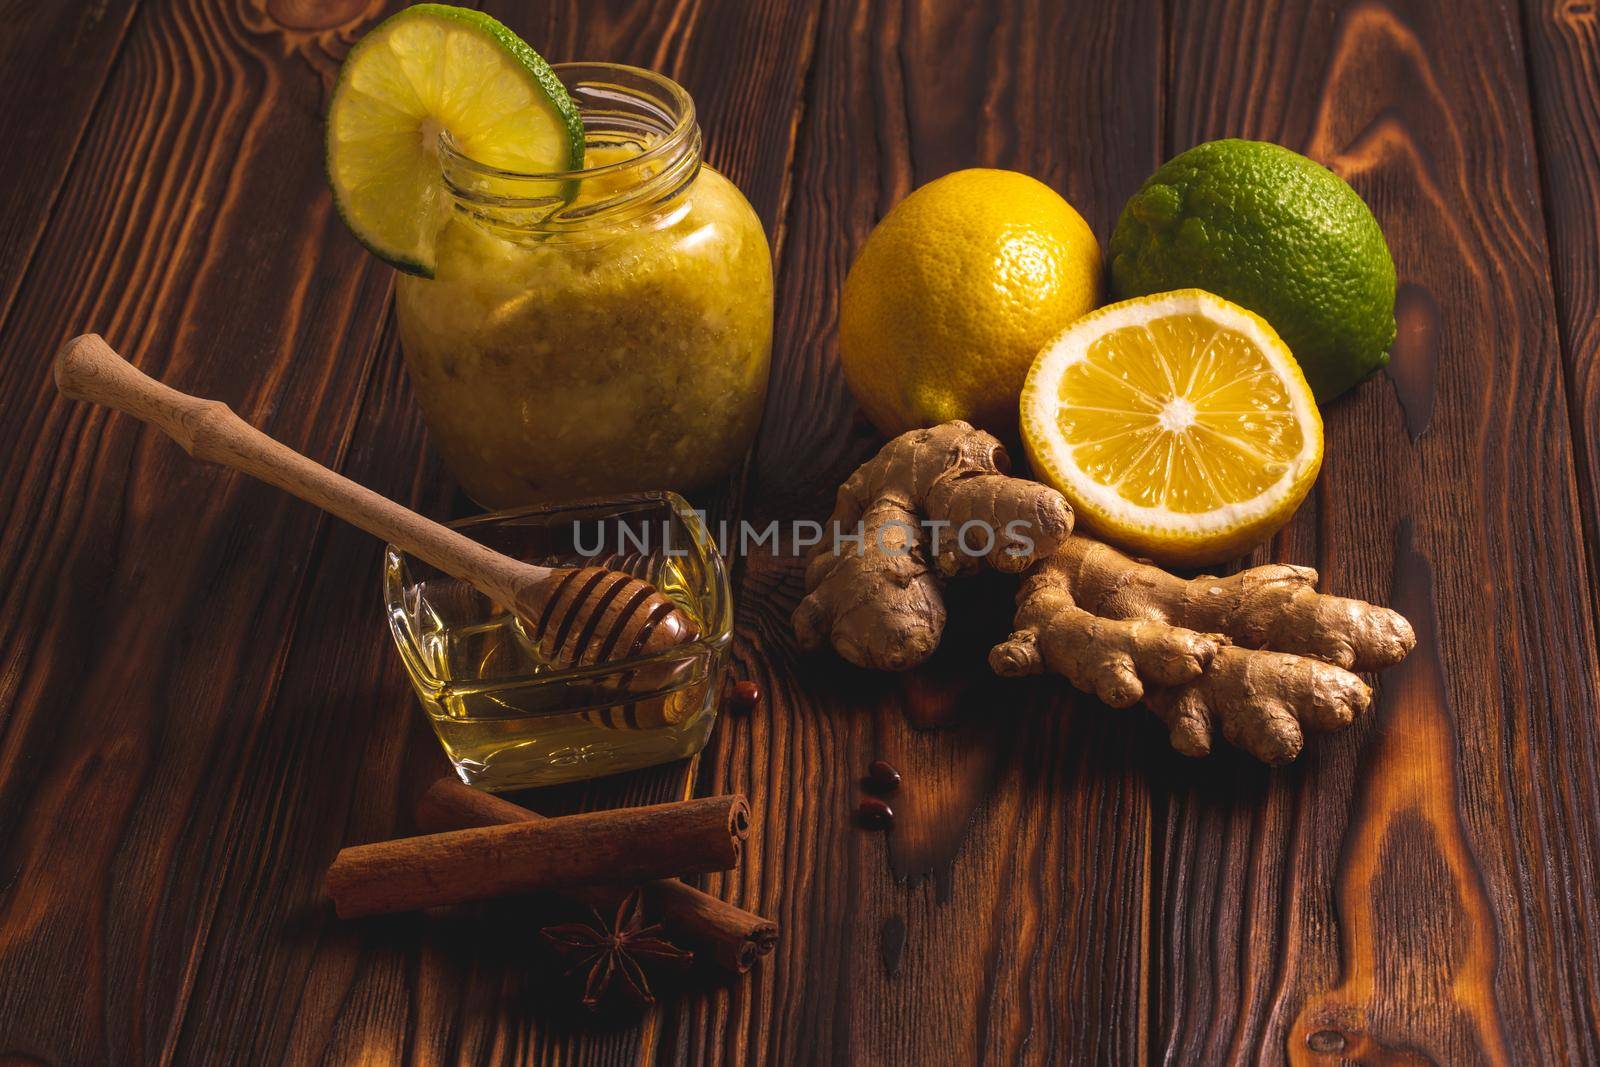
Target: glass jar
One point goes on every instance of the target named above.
(597, 331)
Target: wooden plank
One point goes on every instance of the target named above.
(149, 599)
(1421, 889)
(1564, 62)
(54, 61)
(1004, 916)
(344, 746)
(1563, 46)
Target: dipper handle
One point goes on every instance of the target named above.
(575, 615)
(86, 368)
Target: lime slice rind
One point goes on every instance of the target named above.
(429, 71)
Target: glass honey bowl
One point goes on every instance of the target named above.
(509, 720)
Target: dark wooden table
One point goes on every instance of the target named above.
(199, 705)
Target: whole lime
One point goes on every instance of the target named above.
(955, 292)
(1276, 232)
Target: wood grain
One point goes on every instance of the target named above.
(199, 706)
(1004, 915)
(54, 62)
(1563, 46)
(139, 654)
(1563, 56)
(1417, 891)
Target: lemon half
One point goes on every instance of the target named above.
(1178, 425)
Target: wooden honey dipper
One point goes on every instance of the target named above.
(573, 615)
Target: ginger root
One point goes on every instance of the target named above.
(1260, 653)
(933, 503)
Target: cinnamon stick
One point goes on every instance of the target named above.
(622, 847)
(725, 932)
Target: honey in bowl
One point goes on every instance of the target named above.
(508, 716)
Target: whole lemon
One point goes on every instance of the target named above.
(955, 292)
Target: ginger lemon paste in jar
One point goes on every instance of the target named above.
(596, 331)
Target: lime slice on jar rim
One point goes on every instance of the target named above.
(425, 72)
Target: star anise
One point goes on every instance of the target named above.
(615, 952)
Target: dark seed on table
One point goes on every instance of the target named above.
(745, 695)
(881, 777)
(875, 814)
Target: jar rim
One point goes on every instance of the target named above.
(683, 127)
